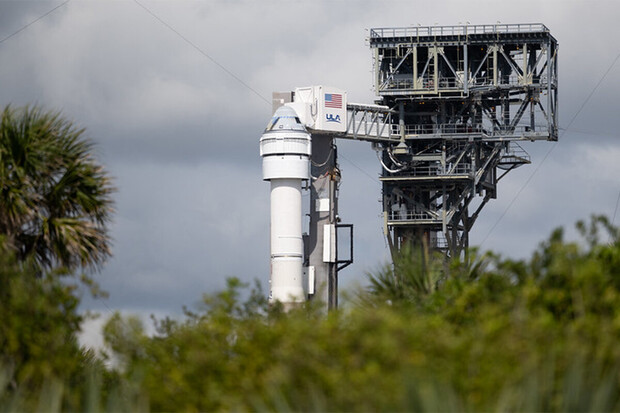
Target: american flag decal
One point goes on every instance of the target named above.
(333, 100)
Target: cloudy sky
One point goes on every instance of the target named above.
(176, 95)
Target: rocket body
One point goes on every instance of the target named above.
(285, 147)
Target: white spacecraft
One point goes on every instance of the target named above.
(286, 147)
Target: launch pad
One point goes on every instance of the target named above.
(454, 102)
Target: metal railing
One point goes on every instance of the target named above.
(457, 30)
(460, 129)
(409, 215)
(460, 169)
(369, 121)
(399, 84)
(519, 130)
(433, 129)
(515, 154)
(455, 83)
(438, 170)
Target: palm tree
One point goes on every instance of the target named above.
(55, 198)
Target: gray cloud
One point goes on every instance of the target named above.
(181, 135)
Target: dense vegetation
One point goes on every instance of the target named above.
(485, 333)
(489, 334)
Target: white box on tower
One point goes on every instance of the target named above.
(321, 108)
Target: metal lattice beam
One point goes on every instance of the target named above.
(464, 92)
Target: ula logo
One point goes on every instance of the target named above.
(331, 118)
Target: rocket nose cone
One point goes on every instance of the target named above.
(285, 118)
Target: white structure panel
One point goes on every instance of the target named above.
(286, 166)
(286, 280)
(286, 237)
(321, 108)
(286, 241)
(329, 243)
(289, 143)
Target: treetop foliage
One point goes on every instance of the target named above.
(487, 333)
(55, 199)
(484, 334)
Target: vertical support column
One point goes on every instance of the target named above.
(465, 236)
(550, 115)
(401, 121)
(455, 247)
(525, 70)
(465, 71)
(377, 69)
(555, 91)
(416, 86)
(323, 211)
(532, 111)
(532, 63)
(495, 65)
(506, 111)
(332, 278)
(444, 210)
(436, 68)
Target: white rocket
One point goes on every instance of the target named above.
(286, 147)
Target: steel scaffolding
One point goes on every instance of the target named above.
(458, 99)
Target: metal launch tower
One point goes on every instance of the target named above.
(453, 104)
(464, 96)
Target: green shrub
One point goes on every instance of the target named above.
(488, 334)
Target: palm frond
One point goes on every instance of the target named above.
(55, 199)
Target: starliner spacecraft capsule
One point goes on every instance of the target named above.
(286, 147)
